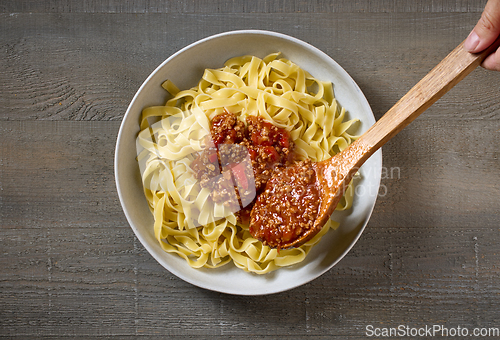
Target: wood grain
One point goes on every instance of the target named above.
(51, 70)
(240, 6)
(71, 266)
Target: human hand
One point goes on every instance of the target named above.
(487, 30)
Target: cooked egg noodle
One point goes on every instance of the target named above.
(273, 88)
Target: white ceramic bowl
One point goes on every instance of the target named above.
(185, 68)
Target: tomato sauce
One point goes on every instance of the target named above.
(288, 207)
(269, 148)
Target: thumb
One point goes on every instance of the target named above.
(487, 29)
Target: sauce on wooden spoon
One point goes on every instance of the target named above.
(298, 201)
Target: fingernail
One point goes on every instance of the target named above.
(471, 42)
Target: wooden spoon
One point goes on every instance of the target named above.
(276, 226)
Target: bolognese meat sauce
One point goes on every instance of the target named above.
(288, 207)
(269, 148)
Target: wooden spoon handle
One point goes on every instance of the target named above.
(435, 84)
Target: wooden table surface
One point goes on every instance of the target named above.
(70, 263)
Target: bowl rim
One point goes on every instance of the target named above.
(376, 156)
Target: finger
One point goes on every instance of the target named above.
(486, 30)
(492, 62)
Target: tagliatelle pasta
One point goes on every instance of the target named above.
(186, 221)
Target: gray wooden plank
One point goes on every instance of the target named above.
(66, 252)
(78, 270)
(58, 172)
(240, 6)
(88, 66)
(71, 266)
